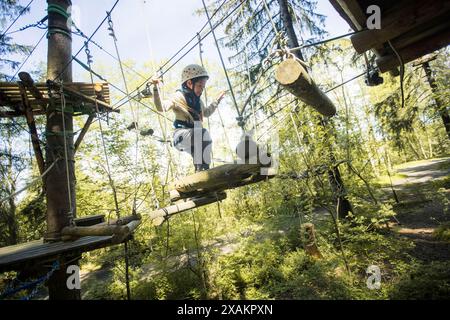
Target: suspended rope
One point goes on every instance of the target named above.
(31, 183)
(108, 170)
(402, 72)
(133, 112)
(81, 34)
(240, 123)
(86, 42)
(188, 51)
(251, 101)
(28, 56)
(218, 109)
(15, 20)
(39, 24)
(66, 153)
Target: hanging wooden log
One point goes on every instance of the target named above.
(158, 216)
(218, 178)
(403, 19)
(120, 228)
(293, 76)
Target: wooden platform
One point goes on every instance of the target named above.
(83, 96)
(26, 254)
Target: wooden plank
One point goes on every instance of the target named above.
(17, 256)
(414, 51)
(403, 18)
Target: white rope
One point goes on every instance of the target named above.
(32, 182)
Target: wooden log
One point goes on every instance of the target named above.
(100, 230)
(414, 51)
(216, 178)
(403, 18)
(293, 76)
(33, 131)
(159, 215)
(175, 195)
(29, 83)
(83, 132)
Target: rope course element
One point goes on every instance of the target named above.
(66, 152)
(402, 72)
(35, 284)
(28, 56)
(39, 24)
(108, 169)
(189, 50)
(85, 43)
(83, 35)
(32, 182)
(241, 124)
(15, 20)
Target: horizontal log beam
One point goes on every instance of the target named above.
(414, 51)
(69, 233)
(216, 178)
(158, 216)
(403, 18)
(293, 76)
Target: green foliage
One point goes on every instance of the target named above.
(442, 233)
(424, 282)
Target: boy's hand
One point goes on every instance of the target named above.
(220, 97)
(155, 81)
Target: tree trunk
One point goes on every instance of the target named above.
(60, 209)
(288, 27)
(441, 108)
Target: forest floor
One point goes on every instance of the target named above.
(419, 213)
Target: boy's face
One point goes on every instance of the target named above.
(199, 86)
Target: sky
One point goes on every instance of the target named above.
(145, 29)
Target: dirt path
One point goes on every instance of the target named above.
(420, 212)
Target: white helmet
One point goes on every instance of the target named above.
(193, 71)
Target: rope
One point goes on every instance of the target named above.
(190, 49)
(325, 41)
(66, 156)
(32, 182)
(89, 69)
(134, 114)
(402, 72)
(39, 24)
(223, 65)
(31, 284)
(127, 274)
(81, 34)
(85, 44)
(251, 101)
(28, 57)
(108, 170)
(17, 18)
